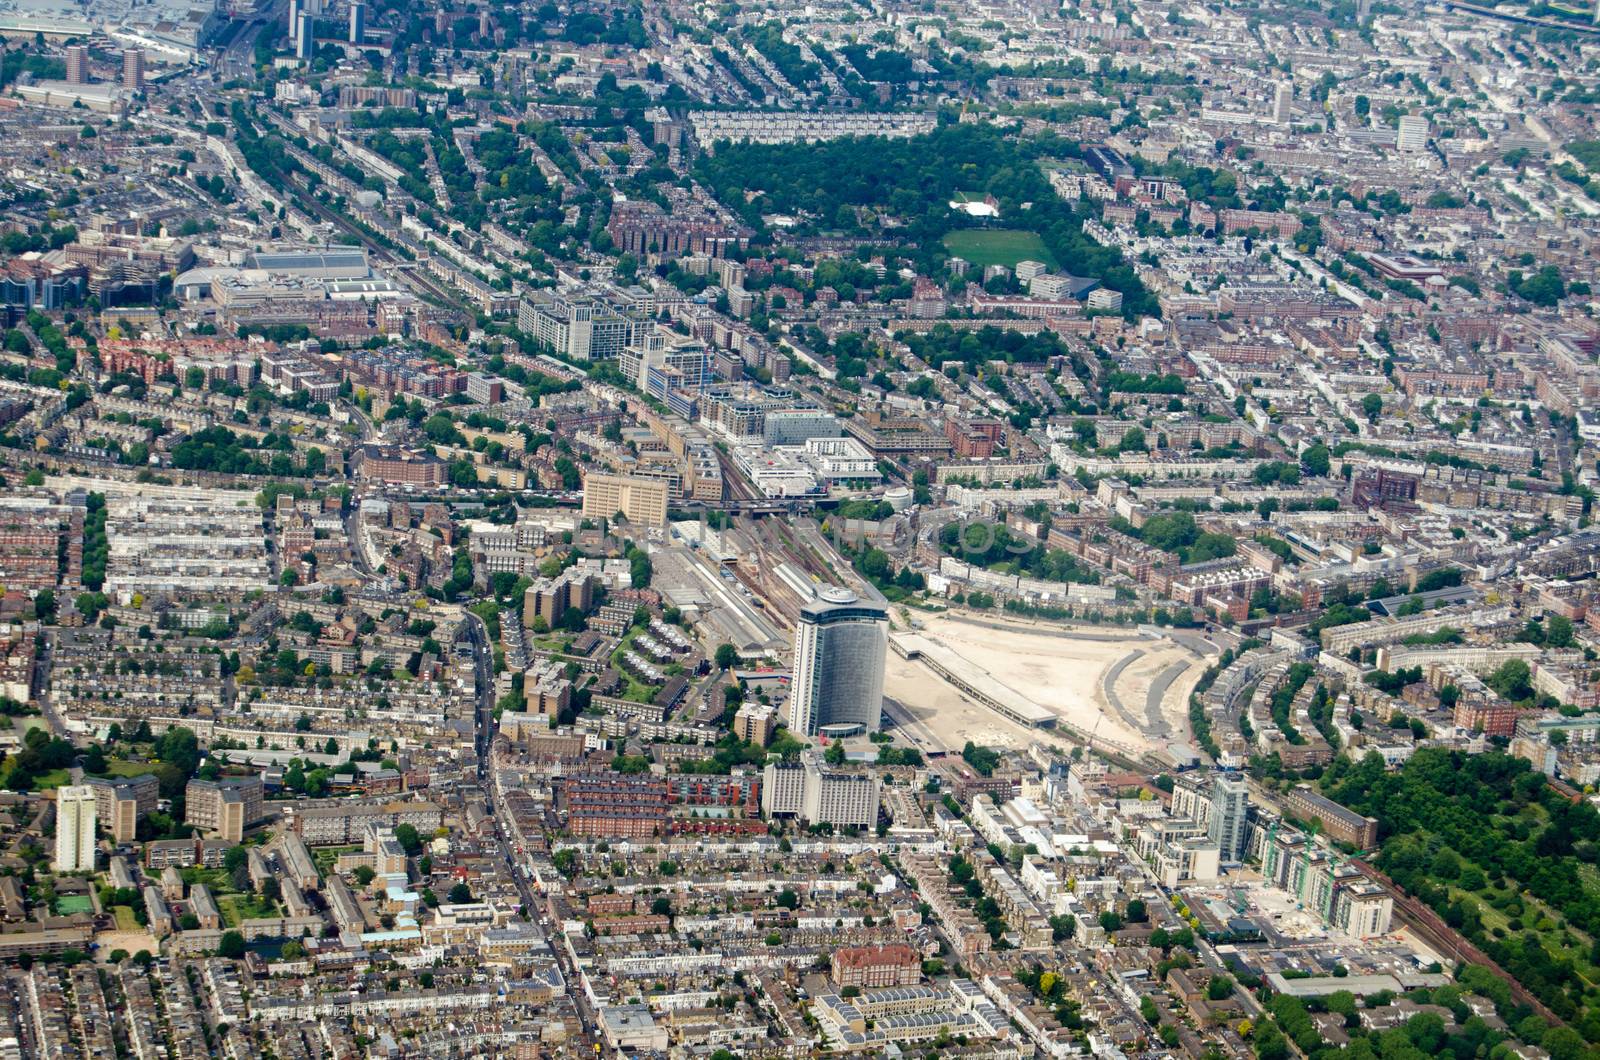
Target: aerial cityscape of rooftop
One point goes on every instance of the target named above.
(920, 529)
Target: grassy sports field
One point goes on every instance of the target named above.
(998, 246)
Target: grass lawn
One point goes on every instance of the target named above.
(1533, 912)
(41, 781)
(1490, 916)
(638, 692)
(998, 246)
(69, 904)
(217, 880)
(633, 689)
(325, 857)
(125, 918)
(237, 907)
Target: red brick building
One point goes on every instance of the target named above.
(390, 464)
(895, 964)
(974, 439)
(1491, 717)
(637, 924)
(119, 357)
(620, 805)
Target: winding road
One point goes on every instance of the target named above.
(1108, 686)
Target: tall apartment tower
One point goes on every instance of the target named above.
(77, 65)
(295, 9)
(120, 802)
(1230, 811)
(358, 22)
(133, 69)
(74, 829)
(840, 646)
(304, 36)
(225, 808)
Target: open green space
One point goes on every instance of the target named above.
(217, 880)
(556, 642)
(326, 857)
(636, 691)
(1493, 919)
(854, 186)
(1586, 152)
(240, 907)
(41, 781)
(126, 921)
(998, 246)
(72, 904)
(1560, 12)
(633, 689)
(1504, 857)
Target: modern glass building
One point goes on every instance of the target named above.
(1230, 816)
(839, 650)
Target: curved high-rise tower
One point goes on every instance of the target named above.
(839, 650)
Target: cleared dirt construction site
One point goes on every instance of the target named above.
(1122, 687)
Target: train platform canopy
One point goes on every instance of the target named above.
(973, 680)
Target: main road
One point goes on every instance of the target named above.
(483, 673)
(477, 632)
(237, 58)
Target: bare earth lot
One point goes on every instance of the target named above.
(1063, 671)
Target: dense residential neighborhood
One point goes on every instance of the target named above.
(720, 530)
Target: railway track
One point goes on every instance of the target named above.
(735, 488)
(308, 203)
(404, 270)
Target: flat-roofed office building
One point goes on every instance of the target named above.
(640, 500)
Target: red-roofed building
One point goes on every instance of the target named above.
(895, 964)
